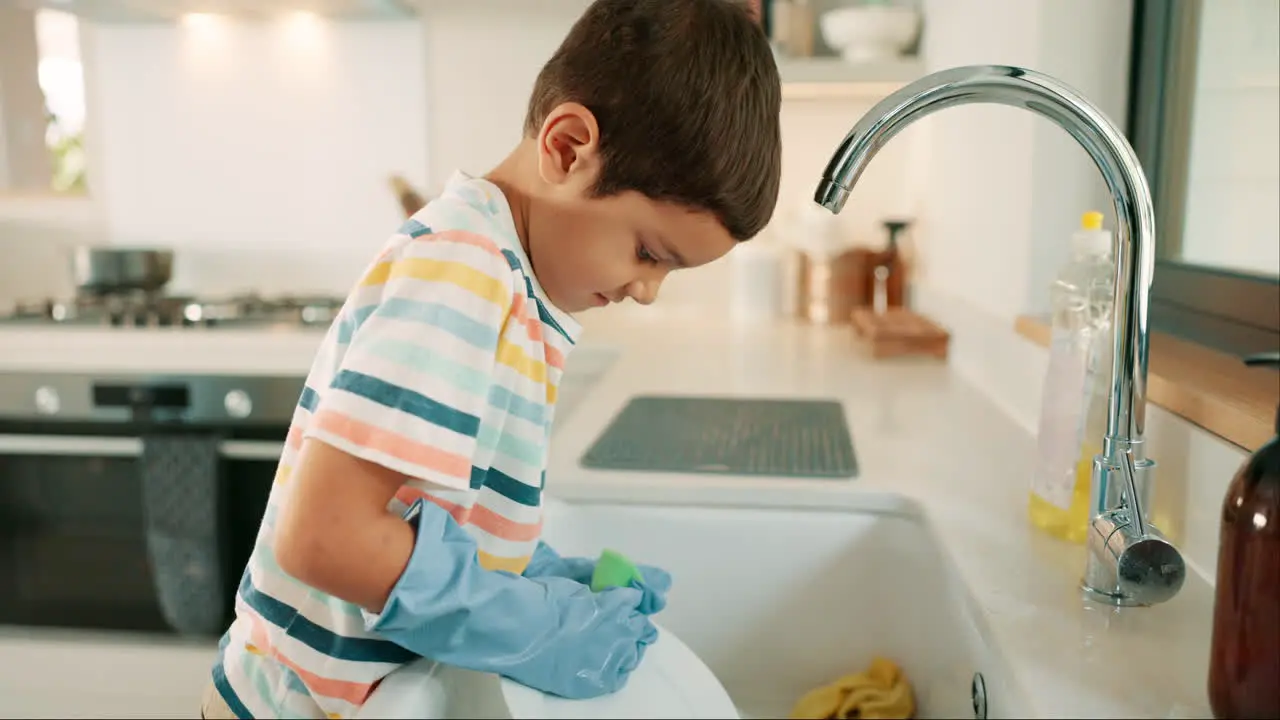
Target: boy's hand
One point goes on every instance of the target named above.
(546, 562)
(609, 646)
(551, 634)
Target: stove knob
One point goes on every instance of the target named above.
(238, 404)
(47, 401)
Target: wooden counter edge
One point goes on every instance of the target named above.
(1208, 388)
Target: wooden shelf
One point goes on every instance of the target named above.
(821, 78)
(1211, 389)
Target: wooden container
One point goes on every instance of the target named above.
(829, 290)
(803, 25)
(410, 200)
(898, 332)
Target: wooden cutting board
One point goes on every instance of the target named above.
(898, 332)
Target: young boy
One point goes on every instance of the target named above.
(405, 518)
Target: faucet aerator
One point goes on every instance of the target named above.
(831, 195)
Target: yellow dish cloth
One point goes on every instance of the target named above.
(880, 693)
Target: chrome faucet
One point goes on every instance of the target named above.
(1129, 562)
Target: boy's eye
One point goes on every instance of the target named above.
(644, 255)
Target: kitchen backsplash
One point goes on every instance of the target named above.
(261, 153)
(35, 236)
(277, 182)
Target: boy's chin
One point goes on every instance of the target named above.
(577, 305)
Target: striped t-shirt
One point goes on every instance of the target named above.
(443, 365)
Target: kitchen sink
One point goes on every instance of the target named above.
(777, 602)
(584, 368)
(774, 601)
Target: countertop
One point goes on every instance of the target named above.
(925, 439)
(91, 349)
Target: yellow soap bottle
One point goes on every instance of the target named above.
(1074, 405)
(1071, 523)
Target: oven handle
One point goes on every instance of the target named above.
(99, 446)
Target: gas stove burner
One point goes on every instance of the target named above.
(143, 310)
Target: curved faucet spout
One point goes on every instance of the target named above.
(1135, 219)
(1121, 471)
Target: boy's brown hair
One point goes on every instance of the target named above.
(687, 97)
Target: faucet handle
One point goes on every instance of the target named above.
(1129, 568)
(1129, 561)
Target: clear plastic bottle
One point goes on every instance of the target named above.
(1073, 408)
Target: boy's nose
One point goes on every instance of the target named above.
(644, 291)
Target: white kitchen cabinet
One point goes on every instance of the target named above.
(50, 674)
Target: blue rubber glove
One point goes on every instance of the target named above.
(546, 562)
(552, 634)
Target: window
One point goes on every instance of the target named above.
(42, 101)
(1204, 106)
(61, 77)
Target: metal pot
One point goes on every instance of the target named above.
(103, 270)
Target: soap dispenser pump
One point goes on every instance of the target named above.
(1244, 662)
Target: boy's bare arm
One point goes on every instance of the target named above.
(335, 533)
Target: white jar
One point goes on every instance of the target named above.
(757, 293)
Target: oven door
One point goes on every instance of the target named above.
(77, 549)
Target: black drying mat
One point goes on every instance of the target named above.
(734, 436)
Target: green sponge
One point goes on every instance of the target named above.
(613, 570)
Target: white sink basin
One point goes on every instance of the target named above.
(584, 369)
(777, 602)
(774, 601)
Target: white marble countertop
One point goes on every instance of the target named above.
(923, 438)
(266, 351)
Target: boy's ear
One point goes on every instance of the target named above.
(569, 146)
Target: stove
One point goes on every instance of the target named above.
(162, 310)
(167, 441)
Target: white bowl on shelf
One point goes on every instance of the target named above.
(870, 33)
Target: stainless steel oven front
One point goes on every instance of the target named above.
(132, 502)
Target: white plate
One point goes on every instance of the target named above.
(671, 682)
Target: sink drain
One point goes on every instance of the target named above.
(978, 692)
